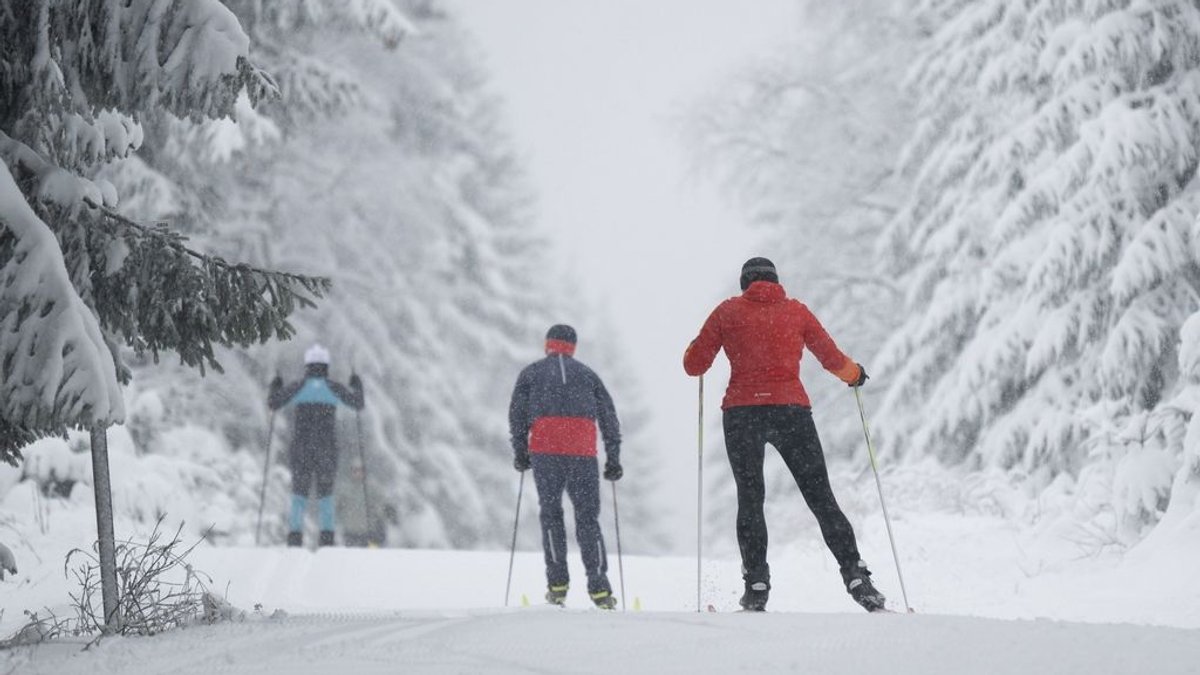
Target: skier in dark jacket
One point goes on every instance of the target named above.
(556, 405)
(764, 334)
(314, 451)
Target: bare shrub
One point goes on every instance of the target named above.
(157, 588)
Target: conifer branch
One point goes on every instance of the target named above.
(316, 285)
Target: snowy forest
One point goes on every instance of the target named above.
(351, 142)
(996, 203)
(992, 205)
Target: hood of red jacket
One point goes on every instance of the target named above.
(765, 292)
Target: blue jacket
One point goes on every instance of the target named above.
(316, 399)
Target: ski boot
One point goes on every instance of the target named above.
(326, 538)
(295, 539)
(557, 595)
(858, 585)
(755, 597)
(604, 599)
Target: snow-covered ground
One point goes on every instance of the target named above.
(990, 599)
(543, 640)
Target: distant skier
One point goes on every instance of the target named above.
(314, 451)
(764, 334)
(556, 405)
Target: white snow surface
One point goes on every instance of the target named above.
(989, 599)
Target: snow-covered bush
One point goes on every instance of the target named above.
(157, 586)
(158, 589)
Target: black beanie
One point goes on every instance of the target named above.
(758, 269)
(561, 332)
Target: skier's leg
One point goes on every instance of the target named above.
(326, 473)
(800, 447)
(583, 487)
(296, 520)
(550, 477)
(301, 465)
(744, 441)
(797, 441)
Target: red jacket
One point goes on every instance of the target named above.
(764, 334)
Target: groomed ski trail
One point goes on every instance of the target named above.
(548, 640)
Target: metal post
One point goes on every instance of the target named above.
(102, 488)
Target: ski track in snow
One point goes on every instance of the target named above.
(993, 608)
(544, 640)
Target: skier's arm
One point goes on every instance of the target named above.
(703, 350)
(351, 396)
(826, 350)
(518, 416)
(610, 426)
(281, 394)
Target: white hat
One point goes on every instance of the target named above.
(316, 354)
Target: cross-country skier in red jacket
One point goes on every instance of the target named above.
(764, 333)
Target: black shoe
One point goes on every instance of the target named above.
(557, 595)
(859, 586)
(604, 599)
(295, 539)
(326, 538)
(755, 597)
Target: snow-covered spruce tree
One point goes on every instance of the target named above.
(76, 76)
(806, 142)
(1049, 248)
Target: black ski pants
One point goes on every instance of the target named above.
(580, 477)
(313, 462)
(791, 431)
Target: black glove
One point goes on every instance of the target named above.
(612, 470)
(276, 384)
(356, 382)
(862, 376)
(521, 461)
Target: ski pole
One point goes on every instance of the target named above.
(617, 526)
(362, 459)
(512, 553)
(879, 485)
(262, 494)
(699, 488)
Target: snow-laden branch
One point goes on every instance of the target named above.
(57, 369)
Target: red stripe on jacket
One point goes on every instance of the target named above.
(764, 334)
(575, 436)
